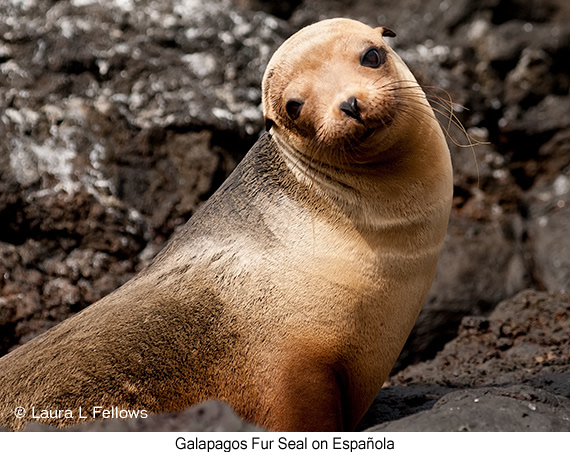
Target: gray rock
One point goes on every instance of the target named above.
(524, 337)
(509, 371)
(550, 115)
(513, 409)
(548, 242)
(117, 122)
(396, 402)
(531, 79)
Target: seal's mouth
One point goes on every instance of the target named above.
(367, 134)
(374, 126)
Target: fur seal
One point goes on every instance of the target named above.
(291, 292)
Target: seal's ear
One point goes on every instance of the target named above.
(386, 32)
(268, 123)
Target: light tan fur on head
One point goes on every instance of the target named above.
(323, 66)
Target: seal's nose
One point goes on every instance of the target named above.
(350, 108)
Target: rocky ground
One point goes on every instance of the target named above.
(121, 117)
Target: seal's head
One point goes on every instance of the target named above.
(337, 85)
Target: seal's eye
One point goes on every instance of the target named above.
(293, 108)
(373, 57)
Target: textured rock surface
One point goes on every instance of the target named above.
(524, 338)
(117, 123)
(509, 371)
(513, 409)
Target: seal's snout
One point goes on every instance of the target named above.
(350, 108)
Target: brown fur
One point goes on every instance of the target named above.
(292, 291)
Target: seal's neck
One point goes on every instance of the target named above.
(401, 189)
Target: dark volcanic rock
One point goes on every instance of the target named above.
(525, 337)
(396, 402)
(513, 409)
(518, 361)
(549, 217)
(118, 121)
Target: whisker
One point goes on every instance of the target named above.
(442, 106)
(319, 160)
(448, 104)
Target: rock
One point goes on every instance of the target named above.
(524, 337)
(117, 123)
(549, 217)
(531, 79)
(512, 409)
(509, 371)
(550, 115)
(395, 402)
